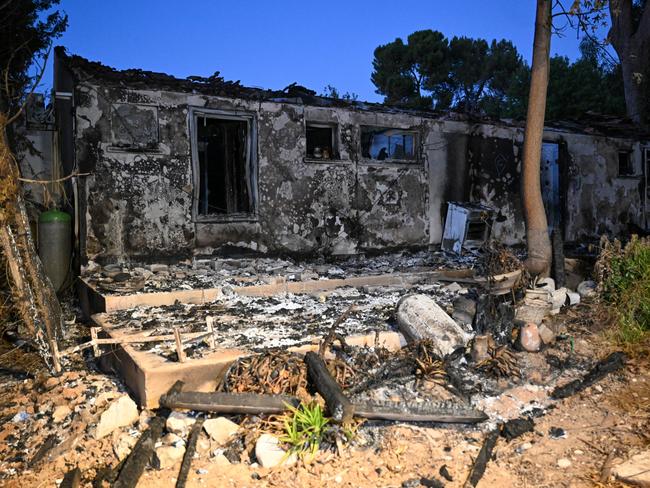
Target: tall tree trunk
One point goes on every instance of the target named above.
(631, 44)
(34, 294)
(539, 243)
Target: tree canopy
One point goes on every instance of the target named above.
(474, 76)
(27, 29)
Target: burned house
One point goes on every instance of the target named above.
(174, 167)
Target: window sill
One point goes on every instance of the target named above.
(226, 219)
(325, 161)
(391, 163)
(135, 149)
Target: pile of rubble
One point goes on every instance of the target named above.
(198, 273)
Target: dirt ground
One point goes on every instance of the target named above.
(610, 419)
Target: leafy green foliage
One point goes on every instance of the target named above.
(27, 28)
(474, 76)
(304, 428)
(626, 288)
(429, 71)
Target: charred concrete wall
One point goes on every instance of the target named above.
(594, 198)
(138, 201)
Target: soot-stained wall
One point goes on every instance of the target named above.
(137, 202)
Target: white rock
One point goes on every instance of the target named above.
(546, 284)
(636, 468)
(559, 297)
(587, 289)
(220, 429)
(563, 463)
(121, 412)
(574, 298)
(123, 444)
(167, 456)
(269, 453)
(419, 317)
(179, 423)
(220, 460)
(60, 413)
(546, 334)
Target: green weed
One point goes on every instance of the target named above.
(305, 428)
(625, 286)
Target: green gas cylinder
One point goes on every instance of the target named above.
(55, 245)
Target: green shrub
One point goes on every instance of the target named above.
(304, 428)
(625, 286)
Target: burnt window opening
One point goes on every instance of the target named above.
(386, 144)
(224, 169)
(321, 141)
(625, 163)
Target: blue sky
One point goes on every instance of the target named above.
(274, 43)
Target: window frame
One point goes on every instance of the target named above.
(417, 150)
(334, 127)
(251, 162)
(631, 164)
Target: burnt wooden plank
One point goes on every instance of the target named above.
(340, 408)
(480, 463)
(221, 402)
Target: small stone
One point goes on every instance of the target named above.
(578, 452)
(179, 423)
(563, 463)
(221, 460)
(171, 439)
(480, 348)
(51, 382)
(636, 468)
(167, 456)
(220, 429)
(546, 284)
(60, 413)
(157, 268)
(123, 444)
(453, 287)
(546, 334)
(269, 453)
(587, 289)
(121, 412)
(144, 419)
(529, 338)
(525, 446)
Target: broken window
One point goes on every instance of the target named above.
(225, 178)
(385, 144)
(625, 164)
(321, 141)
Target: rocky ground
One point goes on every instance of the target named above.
(86, 419)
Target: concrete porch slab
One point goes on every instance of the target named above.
(149, 375)
(94, 301)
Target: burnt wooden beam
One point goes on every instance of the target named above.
(480, 463)
(339, 406)
(140, 456)
(220, 402)
(189, 453)
(611, 363)
(72, 479)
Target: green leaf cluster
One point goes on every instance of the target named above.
(626, 288)
(428, 71)
(305, 427)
